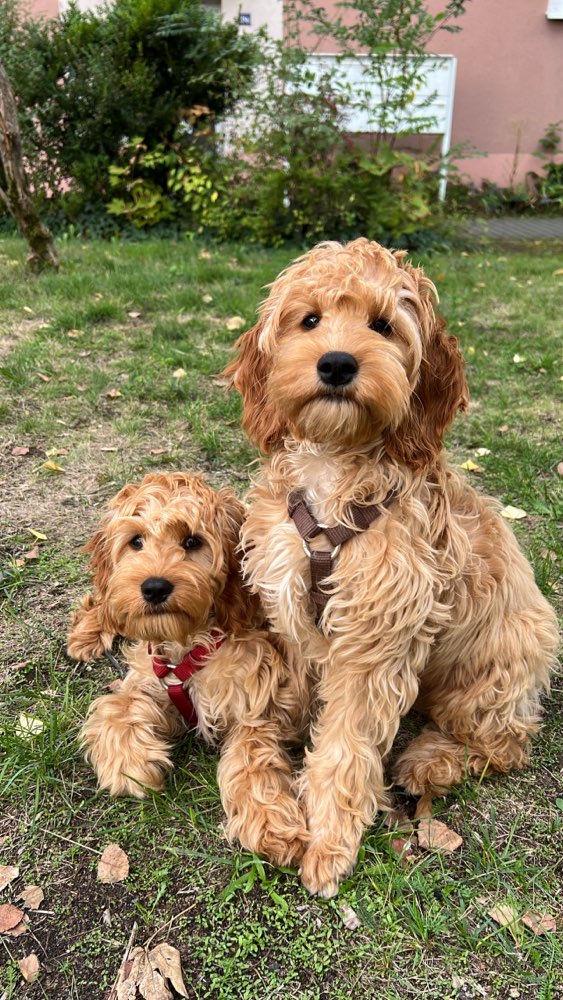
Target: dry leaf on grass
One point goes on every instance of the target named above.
(179, 373)
(10, 917)
(52, 466)
(350, 918)
(113, 865)
(7, 874)
(32, 896)
(113, 394)
(28, 726)
(207, 298)
(513, 513)
(436, 836)
(506, 914)
(166, 960)
(159, 451)
(234, 323)
(32, 554)
(44, 378)
(470, 466)
(424, 806)
(19, 451)
(539, 923)
(134, 315)
(29, 967)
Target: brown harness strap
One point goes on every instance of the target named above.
(321, 560)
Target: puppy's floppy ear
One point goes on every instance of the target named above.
(236, 608)
(248, 373)
(440, 392)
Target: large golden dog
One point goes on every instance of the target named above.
(349, 380)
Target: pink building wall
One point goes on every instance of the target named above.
(509, 84)
(44, 8)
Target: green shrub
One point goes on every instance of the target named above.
(88, 80)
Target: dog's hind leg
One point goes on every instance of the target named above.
(483, 711)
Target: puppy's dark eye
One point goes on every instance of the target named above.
(191, 542)
(136, 542)
(311, 321)
(381, 326)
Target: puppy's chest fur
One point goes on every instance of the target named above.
(366, 570)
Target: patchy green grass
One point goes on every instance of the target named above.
(109, 369)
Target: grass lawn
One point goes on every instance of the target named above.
(108, 370)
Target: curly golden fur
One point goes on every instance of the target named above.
(245, 695)
(434, 604)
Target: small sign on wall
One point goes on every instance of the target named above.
(245, 19)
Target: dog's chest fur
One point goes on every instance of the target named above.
(277, 566)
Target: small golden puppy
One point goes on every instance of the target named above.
(393, 581)
(165, 573)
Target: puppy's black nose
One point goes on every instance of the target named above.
(337, 368)
(156, 589)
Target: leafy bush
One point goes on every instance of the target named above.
(89, 79)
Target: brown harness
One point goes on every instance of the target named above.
(321, 560)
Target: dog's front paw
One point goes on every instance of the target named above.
(323, 868)
(277, 832)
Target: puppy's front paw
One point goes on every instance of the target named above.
(277, 831)
(323, 868)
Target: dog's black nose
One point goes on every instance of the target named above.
(337, 368)
(156, 589)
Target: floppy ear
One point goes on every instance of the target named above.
(248, 373)
(236, 609)
(440, 392)
(92, 628)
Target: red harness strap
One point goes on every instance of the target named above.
(181, 672)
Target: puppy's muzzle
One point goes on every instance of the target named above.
(156, 589)
(337, 368)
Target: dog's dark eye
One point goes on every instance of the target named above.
(191, 542)
(381, 326)
(311, 321)
(136, 542)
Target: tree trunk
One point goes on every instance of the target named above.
(17, 198)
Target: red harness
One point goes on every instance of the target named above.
(175, 675)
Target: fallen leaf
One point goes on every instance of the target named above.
(74, 334)
(106, 917)
(139, 975)
(20, 450)
(513, 513)
(179, 373)
(29, 967)
(109, 449)
(204, 255)
(558, 272)
(28, 726)
(32, 896)
(481, 452)
(38, 535)
(7, 874)
(503, 428)
(503, 914)
(113, 865)
(44, 378)
(32, 554)
(548, 554)
(166, 960)
(134, 315)
(52, 466)
(113, 393)
(539, 923)
(10, 917)
(53, 452)
(436, 836)
(20, 563)
(234, 323)
(159, 451)
(207, 298)
(470, 466)
(518, 359)
(424, 806)
(350, 918)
